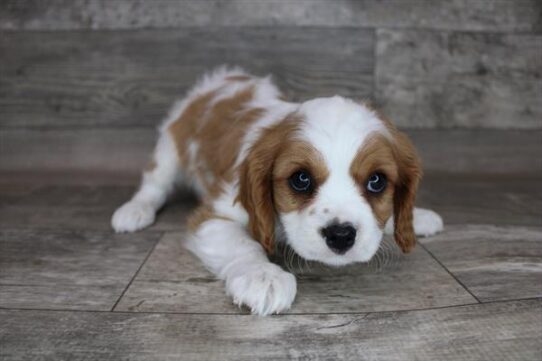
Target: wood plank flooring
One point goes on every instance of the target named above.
(68, 269)
(498, 331)
(72, 289)
(493, 262)
(164, 284)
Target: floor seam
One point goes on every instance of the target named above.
(281, 315)
(451, 274)
(137, 271)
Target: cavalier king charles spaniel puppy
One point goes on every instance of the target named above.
(328, 177)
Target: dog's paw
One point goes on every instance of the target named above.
(427, 222)
(132, 216)
(264, 288)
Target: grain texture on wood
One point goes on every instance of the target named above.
(68, 269)
(172, 280)
(86, 207)
(123, 78)
(517, 15)
(447, 80)
(500, 331)
(479, 151)
(483, 199)
(127, 151)
(11, 191)
(495, 262)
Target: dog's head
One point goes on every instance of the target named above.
(332, 173)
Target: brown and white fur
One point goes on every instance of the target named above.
(237, 143)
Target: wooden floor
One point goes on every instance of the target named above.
(71, 289)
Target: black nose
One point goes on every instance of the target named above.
(339, 237)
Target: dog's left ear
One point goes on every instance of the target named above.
(410, 173)
(256, 183)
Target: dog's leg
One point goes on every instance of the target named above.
(251, 279)
(156, 185)
(426, 223)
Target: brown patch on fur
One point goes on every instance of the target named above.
(410, 173)
(202, 214)
(256, 181)
(218, 131)
(406, 186)
(185, 127)
(296, 155)
(376, 156)
(238, 78)
(220, 138)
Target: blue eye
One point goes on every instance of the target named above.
(377, 183)
(301, 182)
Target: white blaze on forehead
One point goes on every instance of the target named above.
(338, 127)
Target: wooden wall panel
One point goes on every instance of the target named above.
(131, 78)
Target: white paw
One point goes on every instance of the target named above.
(132, 216)
(265, 288)
(427, 222)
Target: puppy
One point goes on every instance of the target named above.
(327, 176)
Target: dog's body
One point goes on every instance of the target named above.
(325, 176)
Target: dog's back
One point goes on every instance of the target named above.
(208, 127)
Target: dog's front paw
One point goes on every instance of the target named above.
(264, 288)
(132, 216)
(427, 222)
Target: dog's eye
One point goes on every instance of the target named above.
(377, 183)
(301, 181)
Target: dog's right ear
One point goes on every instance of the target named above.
(256, 182)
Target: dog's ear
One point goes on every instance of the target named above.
(256, 183)
(405, 191)
(256, 195)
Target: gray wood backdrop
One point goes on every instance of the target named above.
(84, 74)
